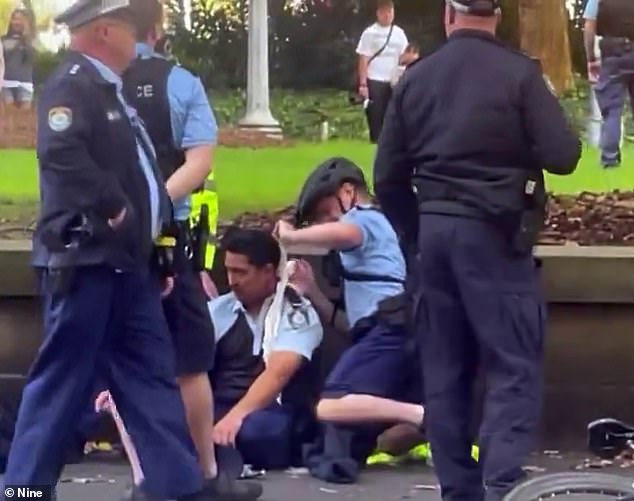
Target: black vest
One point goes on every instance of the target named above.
(616, 18)
(145, 88)
(236, 368)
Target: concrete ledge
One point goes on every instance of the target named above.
(572, 273)
(588, 368)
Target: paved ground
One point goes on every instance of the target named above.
(416, 483)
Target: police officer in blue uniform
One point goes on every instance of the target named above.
(613, 75)
(253, 368)
(103, 202)
(175, 109)
(472, 126)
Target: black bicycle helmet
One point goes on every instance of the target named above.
(484, 8)
(324, 181)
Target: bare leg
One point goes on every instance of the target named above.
(198, 399)
(368, 408)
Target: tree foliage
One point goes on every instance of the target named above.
(312, 42)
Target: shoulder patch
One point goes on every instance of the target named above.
(60, 118)
(298, 317)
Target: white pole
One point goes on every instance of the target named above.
(258, 114)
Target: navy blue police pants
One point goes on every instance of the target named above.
(108, 326)
(616, 83)
(381, 362)
(481, 309)
(264, 440)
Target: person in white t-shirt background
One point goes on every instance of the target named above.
(380, 50)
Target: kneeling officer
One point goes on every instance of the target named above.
(103, 203)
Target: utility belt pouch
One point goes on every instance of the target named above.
(394, 311)
(165, 253)
(531, 219)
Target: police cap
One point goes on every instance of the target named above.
(483, 8)
(324, 181)
(85, 11)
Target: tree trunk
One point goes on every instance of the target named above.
(544, 35)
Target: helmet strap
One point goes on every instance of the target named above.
(353, 204)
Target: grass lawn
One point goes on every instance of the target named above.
(269, 178)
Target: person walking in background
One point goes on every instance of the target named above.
(380, 50)
(613, 74)
(18, 55)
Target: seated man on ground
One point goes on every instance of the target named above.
(373, 381)
(264, 387)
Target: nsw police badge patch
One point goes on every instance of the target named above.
(60, 118)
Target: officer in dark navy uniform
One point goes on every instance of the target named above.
(613, 74)
(103, 254)
(471, 126)
(175, 109)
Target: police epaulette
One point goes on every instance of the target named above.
(293, 297)
(74, 69)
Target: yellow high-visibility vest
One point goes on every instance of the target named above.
(206, 195)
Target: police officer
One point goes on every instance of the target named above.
(103, 202)
(175, 109)
(264, 381)
(613, 75)
(473, 125)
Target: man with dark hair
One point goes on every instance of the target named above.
(263, 385)
(174, 106)
(380, 49)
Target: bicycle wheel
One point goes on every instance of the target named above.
(574, 485)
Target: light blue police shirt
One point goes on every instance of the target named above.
(378, 254)
(193, 121)
(592, 10)
(146, 163)
(297, 337)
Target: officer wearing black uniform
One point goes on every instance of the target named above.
(471, 126)
(613, 74)
(103, 204)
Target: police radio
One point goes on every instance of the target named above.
(165, 250)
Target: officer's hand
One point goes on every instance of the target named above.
(227, 429)
(283, 231)
(168, 286)
(363, 91)
(103, 402)
(303, 278)
(114, 223)
(594, 69)
(208, 285)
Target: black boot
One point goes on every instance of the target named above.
(225, 488)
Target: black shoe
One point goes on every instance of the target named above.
(225, 488)
(136, 493)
